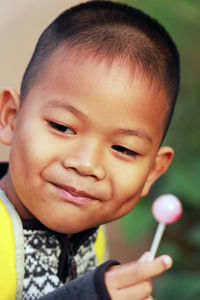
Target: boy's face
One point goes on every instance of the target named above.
(85, 144)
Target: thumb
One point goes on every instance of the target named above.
(144, 257)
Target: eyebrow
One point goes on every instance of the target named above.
(120, 131)
(132, 132)
(68, 107)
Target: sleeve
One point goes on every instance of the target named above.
(89, 286)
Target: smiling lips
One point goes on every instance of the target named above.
(74, 196)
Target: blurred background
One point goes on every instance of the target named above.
(21, 23)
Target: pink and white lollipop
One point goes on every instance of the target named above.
(166, 209)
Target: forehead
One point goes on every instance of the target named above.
(109, 87)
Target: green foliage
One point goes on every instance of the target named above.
(181, 240)
(138, 221)
(177, 285)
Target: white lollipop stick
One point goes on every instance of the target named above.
(156, 241)
(166, 209)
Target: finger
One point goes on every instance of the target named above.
(146, 270)
(137, 292)
(144, 257)
(129, 274)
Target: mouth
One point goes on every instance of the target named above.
(72, 195)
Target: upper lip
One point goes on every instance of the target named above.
(75, 192)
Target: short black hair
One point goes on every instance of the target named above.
(111, 30)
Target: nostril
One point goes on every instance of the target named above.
(84, 169)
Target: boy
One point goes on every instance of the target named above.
(85, 134)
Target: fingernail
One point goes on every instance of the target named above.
(167, 261)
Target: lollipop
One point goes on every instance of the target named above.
(166, 209)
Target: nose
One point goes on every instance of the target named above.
(86, 159)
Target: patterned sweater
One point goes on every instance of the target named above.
(51, 259)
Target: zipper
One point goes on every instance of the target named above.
(72, 272)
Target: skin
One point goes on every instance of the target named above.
(85, 146)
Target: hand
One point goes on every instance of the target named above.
(132, 280)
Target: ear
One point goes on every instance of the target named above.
(161, 164)
(9, 106)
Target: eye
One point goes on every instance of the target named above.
(61, 128)
(125, 151)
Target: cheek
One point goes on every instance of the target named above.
(127, 186)
(129, 180)
(32, 143)
(29, 154)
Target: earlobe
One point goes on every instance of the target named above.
(9, 106)
(161, 164)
